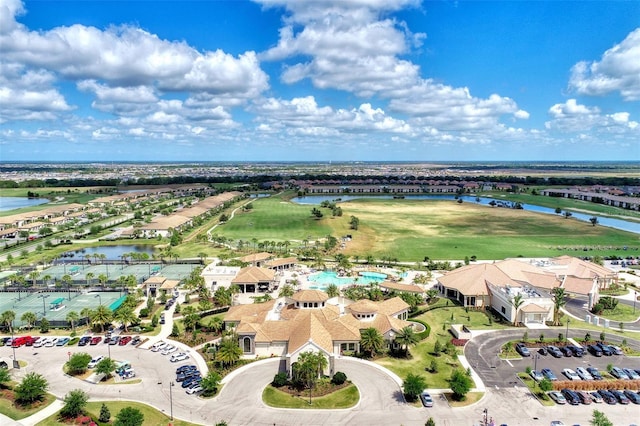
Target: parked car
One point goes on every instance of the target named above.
(114, 340)
(124, 340)
(631, 373)
(95, 340)
(62, 341)
(554, 351)
(596, 397)
(426, 399)
(84, 341)
(39, 343)
(169, 350)
(135, 340)
(617, 350)
(95, 361)
(184, 368)
(547, 373)
(608, 397)
(606, 350)
(191, 380)
(158, 346)
(195, 389)
(522, 349)
(633, 397)
(576, 351)
(618, 373)
(585, 398)
(571, 397)
(594, 373)
(620, 396)
(179, 357)
(583, 373)
(566, 351)
(536, 375)
(32, 341)
(570, 374)
(594, 350)
(51, 342)
(542, 351)
(558, 397)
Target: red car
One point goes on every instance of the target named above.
(95, 340)
(19, 341)
(124, 340)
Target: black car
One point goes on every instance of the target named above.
(594, 350)
(620, 396)
(633, 397)
(608, 397)
(84, 341)
(566, 351)
(542, 351)
(522, 349)
(554, 351)
(594, 373)
(184, 368)
(571, 397)
(576, 351)
(191, 380)
(606, 350)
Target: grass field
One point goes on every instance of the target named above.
(343, 398)
(409, 230)
(10, 410)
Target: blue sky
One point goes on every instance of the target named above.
(340, 80)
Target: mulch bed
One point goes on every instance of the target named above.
(321, 389)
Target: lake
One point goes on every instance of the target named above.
(111, 252)
(10, 203)
(621, 224)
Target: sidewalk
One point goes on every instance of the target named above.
(36, 418)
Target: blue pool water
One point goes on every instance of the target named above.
(327, 277)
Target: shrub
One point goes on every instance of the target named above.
(144, 312)
(74, 403)
(459, 342)
(434, 366)
(339, 378)
(105, 414)
(279, 380)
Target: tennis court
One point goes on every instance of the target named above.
(56, 305)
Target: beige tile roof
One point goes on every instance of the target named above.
(283, 261)
(236, 313)
(310, 296)
(392, 306)
(517, 269)
(253, 275)
(157, 279)
(581, 268)
(363, 306)
(409, 288)
(169, 284)
(472, 280)
(532, 308)
(578, 285)
(542, 280)
(256, 257)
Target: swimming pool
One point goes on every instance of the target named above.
(325, 278)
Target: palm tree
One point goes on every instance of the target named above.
(30, 318)
(215, 323)
(73, 318)
(46, 278)
(190, 317)
(286, 291)
(229, 352)
(371, 341)
(33, 276)
(126, 316)
(7, 318)
(405, 338)
(332, 290)
(102, 279)
(559, 299)
(89, 277)
(517, 301)
(101, 316)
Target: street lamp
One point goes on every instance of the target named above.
(16, 364)
(44, 309)
(566, 336)
(99, 299)
(486, 416)
(535, 362)
(171, 384)
(635, 297)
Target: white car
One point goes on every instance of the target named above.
(194, 389)
(95, 361)
(583, 373)
(179, 357)
(571, 375)
(51, 342)
(39, 343)
(159, 346)
(169, 350)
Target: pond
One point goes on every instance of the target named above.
(111, 252)
(621, 224)
(10, 203)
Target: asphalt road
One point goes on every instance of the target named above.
(381, 403)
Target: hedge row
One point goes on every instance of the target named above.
(592, 385)
(423, 335)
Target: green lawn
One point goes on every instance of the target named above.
(16, 413)
(621, 312)
(151, 415)
(535, 390)
(343, 398)
(409, 230)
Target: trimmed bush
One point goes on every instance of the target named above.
(339, 378)
(279, 380)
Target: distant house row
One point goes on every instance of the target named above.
(609, 198)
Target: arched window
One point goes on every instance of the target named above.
(246, 343)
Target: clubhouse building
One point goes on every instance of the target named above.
(495, 285)
(311, 321)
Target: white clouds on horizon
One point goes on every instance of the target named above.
(617, 71)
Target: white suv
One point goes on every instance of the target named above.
(95, 361)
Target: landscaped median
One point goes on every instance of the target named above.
(345, 397)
